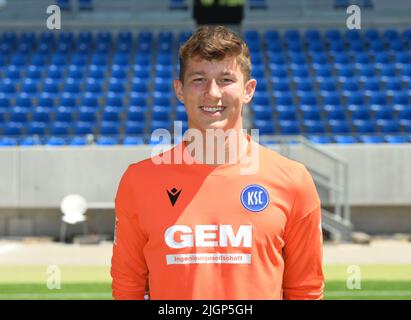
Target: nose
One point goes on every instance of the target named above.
(213, 90)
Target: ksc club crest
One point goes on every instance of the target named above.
(255, 198)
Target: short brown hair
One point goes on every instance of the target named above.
(215, 43)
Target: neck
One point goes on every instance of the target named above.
(217, 147)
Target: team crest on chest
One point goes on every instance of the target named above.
(255, 198)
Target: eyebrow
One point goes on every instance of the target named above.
(202, 73)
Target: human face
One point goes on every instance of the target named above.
(214, 93)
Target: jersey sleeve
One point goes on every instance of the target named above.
(128, 267)
(303, 275)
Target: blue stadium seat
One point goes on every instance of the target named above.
(13, 73)
(393, 87)
(284, 99)
(97, 72)
(339, 126)
(330, 97)
(109, 128)
(371, 87)
(361, 113)
(55, 141)
(402, 59)
(19, 114)
(29, 87)
(37, 128)
(64, 114)
(111, 114)
(308, 98)
(394, 139)
(13, 128)
(281, 85)
(77, 141)
(119, 72)
(363, 126)
(313, 126)
(277, 72)
(383, 112)
(303, 85)
(8, 142)
(262, 113)
(72, 86)
(160, 113)
(322, 71)
(84, 127)
(41, 114)
(4, 101)
(181, 113)
(371, 139)
(138, 99)
(162, 85)
(116, 86)
(378, 98)
(133, 140)
(68, 100)
(135, 127)
(184, 36)
(46, 100)
(404, 114)
(87, 114)
(30, 141)
(94, 85)
(106, 141)
(51, 87)
(276, 59)
(311, 114)
(388, 126)
(164, 71)
(142, 72)
(288, 127)
(136, 113)
(361, 58)
(60, 128)
(7, 87)
(345, 139)
(349, 86)
(320, 139)
(336, 114)
(34, 73)
(264, 127)
(155, 124)
(114, 100)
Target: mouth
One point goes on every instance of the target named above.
(213, 110)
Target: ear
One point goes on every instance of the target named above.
(249, 90)
(178, 89)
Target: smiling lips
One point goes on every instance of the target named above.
(212, 110)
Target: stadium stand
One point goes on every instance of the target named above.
(310, 82)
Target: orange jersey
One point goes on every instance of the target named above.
(206, 232)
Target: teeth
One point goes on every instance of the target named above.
(212, 109)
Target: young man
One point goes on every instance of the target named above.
(201, 229)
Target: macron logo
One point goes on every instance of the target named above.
(182, 236)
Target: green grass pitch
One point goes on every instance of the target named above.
(93, 283)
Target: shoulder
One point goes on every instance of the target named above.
(149, 166)
(272, 160)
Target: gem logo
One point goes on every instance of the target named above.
(255, 198)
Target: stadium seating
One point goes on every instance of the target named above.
(332, 86)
